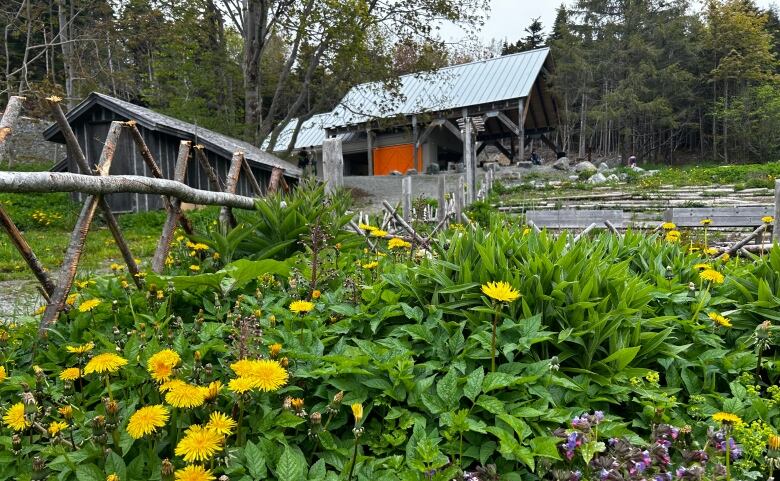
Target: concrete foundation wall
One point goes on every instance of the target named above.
(371, 191)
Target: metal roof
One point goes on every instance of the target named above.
(311, 134)
(216, 142)
(493, 80)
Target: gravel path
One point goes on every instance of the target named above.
(18, 298)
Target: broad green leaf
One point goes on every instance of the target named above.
(291, 465)
(474, 383)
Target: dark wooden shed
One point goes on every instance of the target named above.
(91, 120)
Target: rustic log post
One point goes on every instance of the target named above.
(468, 160)
(78, 238)
(459, 199)
(583, 233)
(250, 177)
(8, 121)
(214, 182)
(74, 151)
(406, 197)
(332, 165)
(45, 182)
(742, 243)
(161, 253)
(24, 249)
(226, 219)
(277, 176)
(146, 154)
(389, 208)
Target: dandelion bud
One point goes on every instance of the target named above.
(208, 368)
(38, 464)
(272, 319)
(297, 403)
(774, 442)
(112, 407)
(99, 424)
(197, 356)
(284, 362)
(274, 349)
(316, 294)
(160, 295)
(4, 336)
(16, 443)
(166, 467)
(287, 403)
(113, 477)
(315, 418)
(224, 477)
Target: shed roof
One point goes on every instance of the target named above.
(216, 142)
(311, 134)
(476, 83)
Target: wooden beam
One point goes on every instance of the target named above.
(503, 150)
(75, 152)
(250, 177)
(78, 238)
(370, 151)
(415, 146)
(26, 251)
(31, 182)
(164, 246)
(452, 128)
(277, 178)
(539, 93)
(214, 182)
(548, 142)
(429, 130)
(225, 215)
(521, 127)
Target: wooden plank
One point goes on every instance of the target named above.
(26, 251)
(740, 216)
(250, 176)
(161, 253)
(575, 219)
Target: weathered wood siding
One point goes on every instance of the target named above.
(91, 130)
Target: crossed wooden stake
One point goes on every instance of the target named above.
(56, 293)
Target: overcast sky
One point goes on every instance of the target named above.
(508, 18)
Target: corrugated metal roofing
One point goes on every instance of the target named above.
(476, 83)
(311, 134)
(152, 120)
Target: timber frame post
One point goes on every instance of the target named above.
(226, 219)
(370, 147)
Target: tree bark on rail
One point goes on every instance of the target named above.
(174, 214)
(226, 218)
(31, 182)
(7, 122)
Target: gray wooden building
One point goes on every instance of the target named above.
(92, 118)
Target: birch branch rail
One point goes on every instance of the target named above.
(33, 182)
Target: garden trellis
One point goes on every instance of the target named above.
(97, 183)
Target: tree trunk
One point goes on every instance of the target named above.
(67, 52)
(254, 39)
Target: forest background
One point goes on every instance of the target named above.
(667, 80)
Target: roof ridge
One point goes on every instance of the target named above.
(473, 62)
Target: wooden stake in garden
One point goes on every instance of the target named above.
(226, 219)
(174, 213)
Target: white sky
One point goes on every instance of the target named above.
(508, 19)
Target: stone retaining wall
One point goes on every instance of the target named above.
(26, 145)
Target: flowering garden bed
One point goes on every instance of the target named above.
(289, 349)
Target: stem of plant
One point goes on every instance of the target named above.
(354, 459)
(493, 343)
(728, 456)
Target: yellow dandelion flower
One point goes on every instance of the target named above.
(89, 305)
(371, 265)
(726, 418)
(200, 247)
(70, 374)
(725, 257)
(379, 233)
(194, 268)
(56, 427)
(357, 412)
(3, 374)
(113, 477)
(672, 236)
(214, 388)
(199, 444)
(66, 411)
(774, 442)
(712, 275)
(274, 349)
(711, 251)
(186, 396)
(40, 310)
(316, 293)
(768, 219)
(173, 383)
(221, 423)
(500, 291)
(702, 267)
(301, 307)
(241, 385)
(160, 365)
(105, 362)
(268, 375)
(147, 420)
(71, 299)
(396, 243)
(668, 226)
(367, 227)
(14, 418)
(194, 472)
(719, 319)
(705, 222)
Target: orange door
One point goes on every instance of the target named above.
(396, 157)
